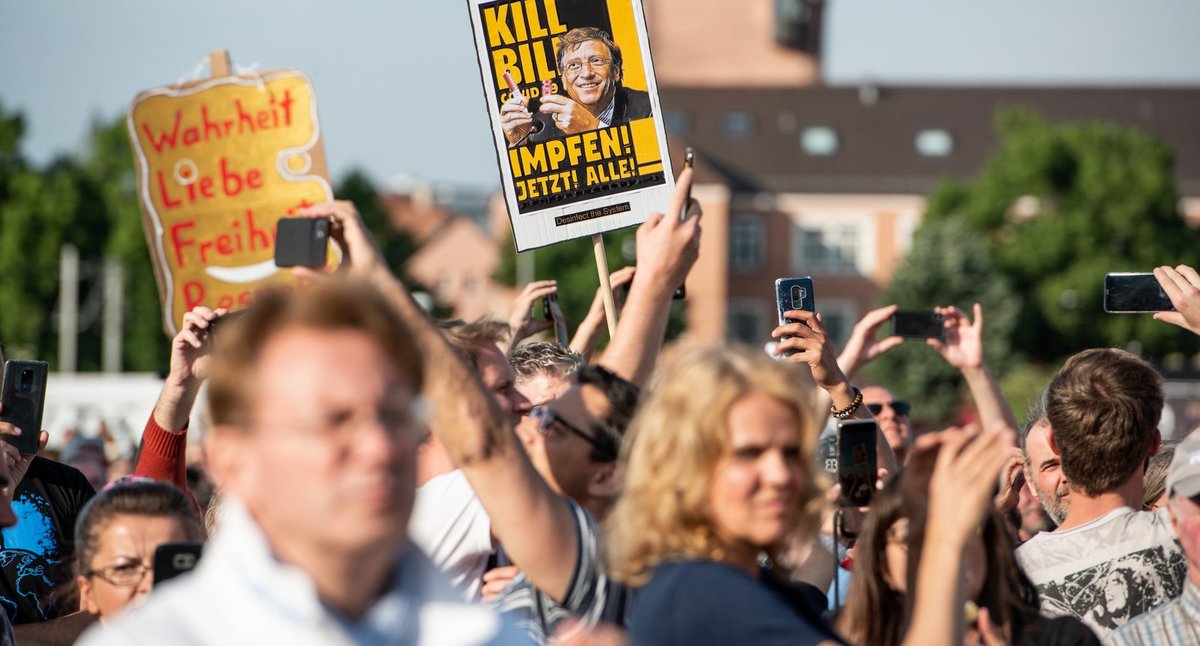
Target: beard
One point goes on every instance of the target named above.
(1054, 505)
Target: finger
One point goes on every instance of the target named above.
(978, 311)
(191, 338)
(1166, 279)
(876, 317)
(683, 188)
(792, 329)
(622, 276)
(936, 344)
(43, 438)
(1190, 274)
(1174, 318)
(888, 344)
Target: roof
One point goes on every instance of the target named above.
(876, 150)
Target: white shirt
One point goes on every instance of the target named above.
(240, 594)
(449, 524)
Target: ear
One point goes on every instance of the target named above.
(1053, 442)
(86, 601)
(605, 481)
(526, 433)
(1171, 514)
(1156, 444)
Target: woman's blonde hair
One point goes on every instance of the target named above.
(672, 448)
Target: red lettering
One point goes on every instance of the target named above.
(206, 186)
(205, 245)
(286, 104)
(225, 301)
(163, 138)
(178, 242)
(226, 176)
(211, 128)
(193, 294)
(162, 192)
(244, 118)
(254, 178)
(191, 136)
(264, 119)
(224, 245)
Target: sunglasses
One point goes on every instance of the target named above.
(547, 419)
(901, 408)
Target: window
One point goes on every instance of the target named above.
(677, 121)
(934, 143)
(746, 321)
(819, 141)
(746, 244)
(738, 124)
(839, 317)
(831, 249)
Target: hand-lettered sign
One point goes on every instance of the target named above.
(575, 115)
(219, 162)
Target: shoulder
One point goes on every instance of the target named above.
(637, 103)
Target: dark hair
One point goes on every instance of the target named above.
(580, 35)
(622, 397)
(465, 337)
(877, 614)
(135, 497)
(541, 357)
(1104, 406)
(332, 304)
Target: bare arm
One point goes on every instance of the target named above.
(963, 349)
(667, 247)
(534, 523)
(587, 335)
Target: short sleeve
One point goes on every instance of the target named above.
(450, 526)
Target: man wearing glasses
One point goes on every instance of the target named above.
(590, 70)
(892, 417)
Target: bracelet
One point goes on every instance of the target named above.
(846, 412)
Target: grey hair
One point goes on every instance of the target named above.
(541, 357)
(1036, 415)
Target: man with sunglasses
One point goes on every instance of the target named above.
(892, 416)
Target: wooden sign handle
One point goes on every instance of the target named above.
(610, 304)
(218, 62)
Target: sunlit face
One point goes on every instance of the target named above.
(758, 481)
(569, 455)
(1044, 473)
(897, 429)
(124, 545)
(593, 87)
(328, 465)
(497, 376)
(540, 389)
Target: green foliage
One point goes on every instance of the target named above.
(396, 246)
(1031, 236)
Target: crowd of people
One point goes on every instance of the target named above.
(385, 478)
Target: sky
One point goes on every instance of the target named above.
(398, 85)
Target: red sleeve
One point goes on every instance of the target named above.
(164, 457)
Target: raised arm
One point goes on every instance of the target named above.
(587, 335)
(667, 247)
(521, 319)
(1182, 285)
(963, 349)
(534, 523)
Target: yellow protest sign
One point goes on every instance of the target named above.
(219, 162)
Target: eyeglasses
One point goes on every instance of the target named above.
(122, 574)
(901, 407)
(547, 418)
(595, 62)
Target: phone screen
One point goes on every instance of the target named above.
(1135, 293)
(918, 324)
(856, 469)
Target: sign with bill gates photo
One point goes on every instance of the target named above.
(575, 115)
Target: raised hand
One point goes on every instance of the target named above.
(521, 318)
(360, 255)
(1182, 285)
(569, 116)
(515, 118)
(496, 580)
(963, 347)
(189, 368)
(812, 346)
(862, 347)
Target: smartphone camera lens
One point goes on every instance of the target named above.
(26, 382)
(798, 294)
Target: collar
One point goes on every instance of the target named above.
(606, 116)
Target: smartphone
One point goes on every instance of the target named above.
(23, 395)
(302, 242)
(918, 324)
(856, 468)
(689, 161)
(1131, 293)
(793, 294)
(173, 559)
(552, 312)
(221, 323)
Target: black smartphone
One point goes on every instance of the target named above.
(552, 312)
(173, 559)
(23, 395)
(793, 294)
(302, 242)
(1132, 293)
(856, 468)
(918, 324)
(689, 160)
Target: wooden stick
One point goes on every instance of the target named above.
(218, 63)
(610, 305)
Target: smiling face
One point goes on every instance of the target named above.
(1044, 473)
(593, 87)
(759, 479)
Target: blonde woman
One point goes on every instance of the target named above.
(719, 477)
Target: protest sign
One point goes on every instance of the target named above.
(575, 115)
(219, 161)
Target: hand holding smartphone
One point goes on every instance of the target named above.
(689, 161)
(857, 467)
(23, 395)
(302, 242)
(793, 294)
(918, 324)
(1130, 293)
(173, 559)
(552, 312)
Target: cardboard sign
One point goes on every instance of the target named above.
(575, 115)
(219, 162)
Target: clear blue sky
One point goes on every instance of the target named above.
(398, 86)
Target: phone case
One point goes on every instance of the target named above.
(173, 559)
(301, 242)
(1134, 293)
(24, 399)
(794, 294)
(552, 312)
(857, 469)
(918, 324)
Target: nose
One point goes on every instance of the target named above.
(777, 470)
(143, 587)
(517, 403)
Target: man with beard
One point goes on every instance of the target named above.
(1043, 468)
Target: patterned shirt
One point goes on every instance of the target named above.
(591, 597)
(1177, 622)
